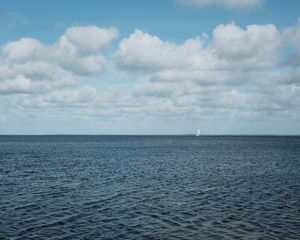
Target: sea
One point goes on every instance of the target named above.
(149, 187)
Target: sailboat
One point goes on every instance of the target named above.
(198, 133)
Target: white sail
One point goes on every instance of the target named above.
(198, 133)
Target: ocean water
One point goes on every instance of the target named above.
(149, 187)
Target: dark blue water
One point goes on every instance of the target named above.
(149, 187)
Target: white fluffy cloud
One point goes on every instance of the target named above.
(226, 51)
(229, 4)
(78, 49)
(144, 52)
(225, 75)
(237, 73)
(27, 65)
(262, 45)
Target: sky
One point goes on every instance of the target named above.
(150, 67)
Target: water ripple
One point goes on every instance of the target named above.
(97, 187)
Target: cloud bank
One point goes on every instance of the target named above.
(27, 65)
(236, 74)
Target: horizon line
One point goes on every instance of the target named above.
(184, 134)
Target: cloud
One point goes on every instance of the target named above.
(263, 45)
(239, 5)
(292, 36)
(27, 65)
(236, 74)
(215, 77)
(86, 40)
(142, 52)
(61, 98)
(78, 49)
